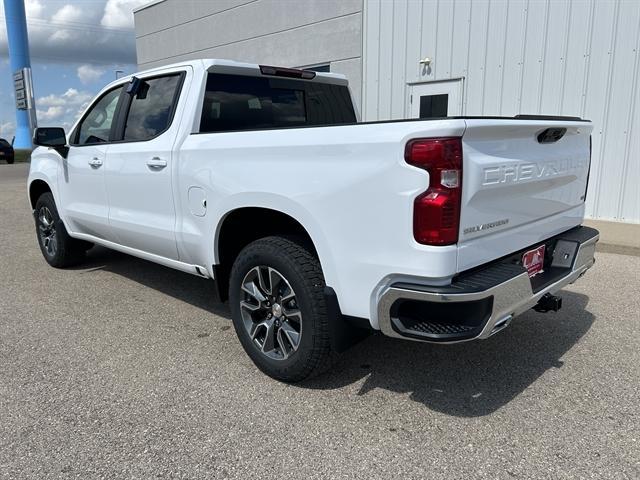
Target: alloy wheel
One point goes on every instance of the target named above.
(47, 231)
(270, 312)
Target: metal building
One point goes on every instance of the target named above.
(420, 58)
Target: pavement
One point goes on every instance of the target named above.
(125, 369)
(617, 237)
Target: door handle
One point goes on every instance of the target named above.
(156, 162)
(95, 162)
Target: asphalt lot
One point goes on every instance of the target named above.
(126, 369)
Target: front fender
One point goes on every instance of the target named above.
(45, 167)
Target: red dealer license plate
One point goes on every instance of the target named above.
(533, 260)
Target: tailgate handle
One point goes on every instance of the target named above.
(551, 135)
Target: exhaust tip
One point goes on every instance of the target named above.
(548, 303)
(501, 324)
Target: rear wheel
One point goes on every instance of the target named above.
(57, 247)
(10, 160)
(277, 300)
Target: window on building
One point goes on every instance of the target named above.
(237, 102)
(434, 105)
(151, 108)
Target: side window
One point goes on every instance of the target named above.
(151, 108)
(237, 102)
(96, 126)
(234, 102)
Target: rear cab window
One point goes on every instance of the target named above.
(237, 102)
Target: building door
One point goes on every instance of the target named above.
(435, 99)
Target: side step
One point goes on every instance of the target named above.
(437, 328)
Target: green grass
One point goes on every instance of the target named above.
(22, 156)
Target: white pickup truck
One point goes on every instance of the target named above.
(315, 226)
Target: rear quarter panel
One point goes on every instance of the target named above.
(349, 186)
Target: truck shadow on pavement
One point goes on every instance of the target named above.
(182, 286)
(467, 380)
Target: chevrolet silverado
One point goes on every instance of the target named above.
(313, 225)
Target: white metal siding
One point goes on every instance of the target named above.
(572, 57)
(276, 32)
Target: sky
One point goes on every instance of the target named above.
(76, 48)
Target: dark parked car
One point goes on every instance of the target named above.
(6, 151)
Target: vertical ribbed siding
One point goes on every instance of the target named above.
(573, 57)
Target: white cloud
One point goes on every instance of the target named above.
(62, 17)
(7, 130)
(96, 32)
(71, 96)
(119, 13)
(89, 73)
(59, 110)
(33, 8)
(88, 36)
(62, 110)
(61, 37)
(50, 114)
(50, 101)
(68, 13)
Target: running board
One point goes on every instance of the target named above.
(151, 257)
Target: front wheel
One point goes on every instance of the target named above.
(58, 248)
(276, 292)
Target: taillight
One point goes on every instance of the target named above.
(436, 212)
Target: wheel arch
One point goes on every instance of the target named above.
(36, 188)
(243, 225)
(344, 331)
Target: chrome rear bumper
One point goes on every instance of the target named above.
(509, 292)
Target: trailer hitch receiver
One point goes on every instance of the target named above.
(548, 303)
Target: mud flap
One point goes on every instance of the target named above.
(344, 331)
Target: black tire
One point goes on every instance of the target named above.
(302, 274)
(57, 247)
(10, 160)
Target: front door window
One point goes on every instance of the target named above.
(96, 125)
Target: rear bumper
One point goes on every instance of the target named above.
(483, 301)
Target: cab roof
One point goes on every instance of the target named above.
(216, 65)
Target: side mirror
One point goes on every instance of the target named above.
(53, 137)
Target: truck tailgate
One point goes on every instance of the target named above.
(523, 181)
